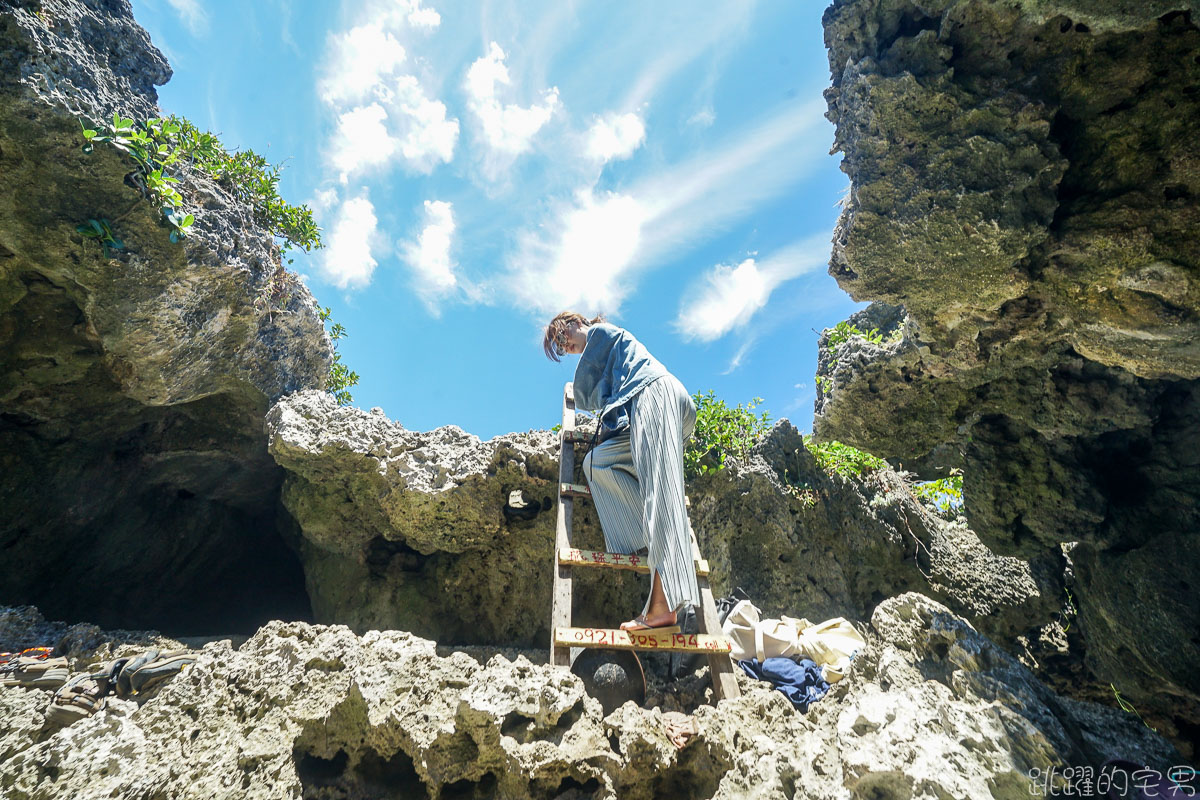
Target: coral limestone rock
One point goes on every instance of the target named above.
(1023, 185)
(409, 529)
(134, 380)
(315, 711)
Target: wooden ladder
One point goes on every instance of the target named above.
(563, 636)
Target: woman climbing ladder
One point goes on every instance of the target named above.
(636, 471)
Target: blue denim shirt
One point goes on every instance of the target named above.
(612, 369)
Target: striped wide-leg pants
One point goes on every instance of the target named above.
(636, 480)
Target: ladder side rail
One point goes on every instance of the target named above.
(720, 665)
(560, 609)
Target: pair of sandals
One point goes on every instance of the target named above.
(85, 694)
(34, 667)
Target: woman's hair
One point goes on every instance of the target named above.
(558, 326)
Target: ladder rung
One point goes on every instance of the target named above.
(599, 558)
(616, 639)
(574, 490)
(577, 435)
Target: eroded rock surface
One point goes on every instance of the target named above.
(931, 709)
(1024, 185)
(134, 476)
(413, 530)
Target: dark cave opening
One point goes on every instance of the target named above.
(130, 515)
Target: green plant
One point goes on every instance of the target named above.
(944, 494)
(159, 145)
(722, 432)
(801, 491)
(1069, 610)
(842, 459)
(1127, 707)
(100, 230)
(341, 377)
(825, 383)
(844, 331)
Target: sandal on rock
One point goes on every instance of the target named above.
(124, 674)
(151, 673)
(81, 697)
(35, 671)
(642, 626)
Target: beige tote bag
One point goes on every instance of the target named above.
(832, 644)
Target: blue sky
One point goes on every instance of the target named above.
(477, 167)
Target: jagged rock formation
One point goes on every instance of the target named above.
(318, 712)
(134, 476)
(1024, 182)
(410, 530)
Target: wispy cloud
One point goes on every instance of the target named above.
(615, 136)
(428, 256)
(588, 252)
(728, 296)
(703, 118)
(507, 129)
(716, 30)
(192, 14)
(713, 188)
(346, 261)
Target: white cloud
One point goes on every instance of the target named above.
(347, 262)
(192, 14)
(361, 141)
(588, 253)
(429, 256)
(324, 199)
(508, 129)
(615, 136)
(391, 117)
(427, 138)
(582, 261)
(728, 296)
(423, 17)
(705, 117)
(360, 61)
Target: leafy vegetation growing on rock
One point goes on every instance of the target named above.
(844, 331)
(842, 459)
(721, 432)
(158, 146)
(341, 377)
(943, 495)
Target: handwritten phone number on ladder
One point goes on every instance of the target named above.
(647, 640)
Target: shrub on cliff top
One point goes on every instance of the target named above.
(158, 146)
(721, 432)
(847, 461)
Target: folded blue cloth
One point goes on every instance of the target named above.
(802, 682)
